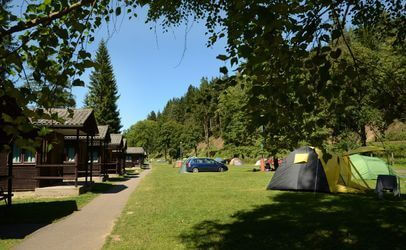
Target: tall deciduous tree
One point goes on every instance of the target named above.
(103, 93)
(143, 134)
(234, 120)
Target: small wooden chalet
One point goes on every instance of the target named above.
(134, 156)
(116, 151)
(9, 108)
(98, 150)
(6, 183)
(56, 160)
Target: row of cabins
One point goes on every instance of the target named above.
(76, 150)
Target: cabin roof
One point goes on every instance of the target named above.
(101, 136)
(78, 117)
(116, 139)
(103, 129)
(135, 150)
(82, 119)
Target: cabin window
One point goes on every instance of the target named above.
(16, 154)
(94, 156)
(29, 156)
(70, 153)
(128, 158)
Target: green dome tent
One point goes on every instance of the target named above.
(370, 167)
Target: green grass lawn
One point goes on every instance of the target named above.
(400, 163)
(29, 214)
(232, 210)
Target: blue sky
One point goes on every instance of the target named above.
(147, 74)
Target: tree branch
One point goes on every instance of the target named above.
(42, 20)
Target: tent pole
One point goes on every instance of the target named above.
(366, 184)
(317, 173)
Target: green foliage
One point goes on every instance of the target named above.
(103, 93)
(233, 115)
(47, 40)
(201, 114)
(169, 136)
(173, 153)
(396, 135)
(152, 116)
(308, 80)
(143, 134)
(190, 137)
(371, 89)
(397, 148)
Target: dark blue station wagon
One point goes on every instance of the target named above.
(196, 165)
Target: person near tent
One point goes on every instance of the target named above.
(269, 162)
(267, 166)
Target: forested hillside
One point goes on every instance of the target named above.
(213, 110)
(366, 90)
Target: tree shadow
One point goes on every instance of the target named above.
(307, 221)
(118, 179)
(106, 188)
(22, 219)
(132, 175)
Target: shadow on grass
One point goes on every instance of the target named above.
(22, 219)
(305, 221)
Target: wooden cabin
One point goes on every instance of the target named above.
(97, 150)
(56, 160)
(10, 109)
(116, 154)
(134, 156)
(6, 183)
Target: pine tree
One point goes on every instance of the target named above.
(151, 116)
(103, 93)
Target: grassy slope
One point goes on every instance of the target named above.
(232, 210)
(400, 163)
(41, 211)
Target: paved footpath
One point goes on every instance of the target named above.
(87, 228)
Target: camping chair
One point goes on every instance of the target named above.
(3, 196)
(387, 183)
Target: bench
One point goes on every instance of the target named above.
(4, 196)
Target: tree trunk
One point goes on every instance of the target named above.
(363, 135)
(165, 153)
(207, 137)
(221, 127)
(196, 150)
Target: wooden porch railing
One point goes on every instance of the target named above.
(65, 171)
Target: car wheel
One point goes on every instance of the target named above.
(221, 169)
(195, 170)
